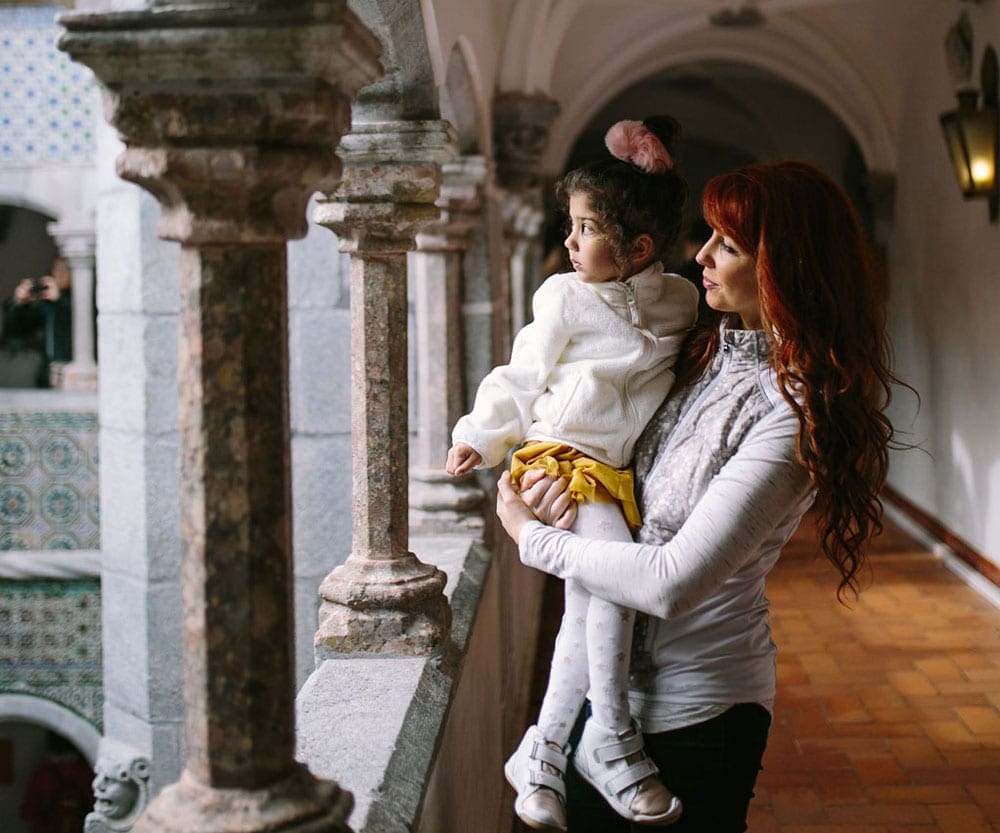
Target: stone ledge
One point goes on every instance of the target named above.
(28, 565)
(373, 723)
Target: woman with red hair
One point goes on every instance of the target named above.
(779, 401)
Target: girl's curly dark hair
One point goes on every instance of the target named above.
(822, 302)
(629, 202)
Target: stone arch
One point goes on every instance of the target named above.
(462, 101)
(407, 90)
(54, 716)
(788, 50)
(40, 203)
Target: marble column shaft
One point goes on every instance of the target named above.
(382, 599)
(439, 503)
(77, 246)
(232, 141)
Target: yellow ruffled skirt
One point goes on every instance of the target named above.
(588, 478)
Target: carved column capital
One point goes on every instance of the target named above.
(521, 131)
(391, 180)
(460, 205)
(229, 114)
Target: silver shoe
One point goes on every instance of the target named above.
(536, 771)
(616, 765)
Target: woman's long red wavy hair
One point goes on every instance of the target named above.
(822, 301)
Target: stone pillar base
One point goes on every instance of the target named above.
(79, 377)
(382, 606)
(443, 505)
(300, 803)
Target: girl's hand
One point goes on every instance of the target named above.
(548, 498)
(462, 459)
(511, 510)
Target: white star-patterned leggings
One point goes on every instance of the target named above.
(593, 644)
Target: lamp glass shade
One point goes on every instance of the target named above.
(971, 135)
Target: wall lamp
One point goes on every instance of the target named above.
(971, 132)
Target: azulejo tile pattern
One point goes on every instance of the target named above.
(50, 643)
(47, 103)
(49, 481)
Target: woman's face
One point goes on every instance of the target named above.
(730, 279)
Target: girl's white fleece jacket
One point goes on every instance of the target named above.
(589, 370)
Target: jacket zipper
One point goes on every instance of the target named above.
(633, 314)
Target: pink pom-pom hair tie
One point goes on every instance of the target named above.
(631, 141)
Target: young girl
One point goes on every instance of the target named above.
(584, 378)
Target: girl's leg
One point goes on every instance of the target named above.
(537, 768)
(609, 627)
(568, 680)
(590, 623)
(610, 753)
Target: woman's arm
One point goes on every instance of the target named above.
(743, 505)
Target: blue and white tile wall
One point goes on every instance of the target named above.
(47, 103)
(50, 643)
(49, 481)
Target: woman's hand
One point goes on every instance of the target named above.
(539, 498)
(548, 498)
(512, 511)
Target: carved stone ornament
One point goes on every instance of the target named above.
(121, 793)
(521, 131)
(958, 51)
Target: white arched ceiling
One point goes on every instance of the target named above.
(462, 101)
(559, 48)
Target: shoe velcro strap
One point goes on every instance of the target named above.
(619, 749)
(541, 778)
(631, 776)
(544, 752)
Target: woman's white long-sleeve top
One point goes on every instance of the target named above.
(720, 491)
(589, 370)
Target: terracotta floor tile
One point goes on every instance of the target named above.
(960, 818)
(950, 734)
(879, 770)
(987, 797)
(916, 752)
(844, 787)
(884, 814)
(980, 720)
(930, 794)
(797, 805)
(911, 682)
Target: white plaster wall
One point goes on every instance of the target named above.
(944, 260)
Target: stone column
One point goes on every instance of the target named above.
(230, 114)
(77, 246)
(523, 220)
(522, 128)
(382, 599)
(440, 503)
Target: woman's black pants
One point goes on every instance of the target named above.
(712, 767)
